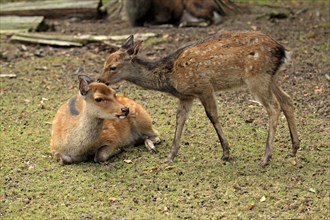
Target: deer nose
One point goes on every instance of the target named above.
(125, 110)
(102, 81)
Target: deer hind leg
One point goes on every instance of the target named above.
(268, 99)
(105, 152)
(209, 102)
(288, 110)
(181, 117)
(63, 159)
(66, 159)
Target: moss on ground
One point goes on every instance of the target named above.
(197, 185)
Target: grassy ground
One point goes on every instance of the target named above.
(196, 186)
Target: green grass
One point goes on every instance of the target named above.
(197, 186)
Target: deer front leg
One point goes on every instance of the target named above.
(150, 146)
(151, 138)
(209, 102)
(181, 117)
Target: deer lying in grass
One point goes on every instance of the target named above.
(236, 59)
(99, 123)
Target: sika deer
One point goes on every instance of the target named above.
(237, 59)
(98, 122)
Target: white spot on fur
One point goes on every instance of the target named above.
(256, 55)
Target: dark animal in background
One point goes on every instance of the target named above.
(177, 12)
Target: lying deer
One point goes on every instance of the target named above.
(99, 123)
(183, 12)
(237, 59)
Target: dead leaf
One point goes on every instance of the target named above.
(263, 198)
(285, 77)
(294, 163)
(42, 105)
(312, 190)
(318, 90)
(169, 167)
(112, 199)
(251, 206)
(145, 172)
(43, 68)
(254, 27)
(8, 75)
(155, 169)
(165, 36)
(128, 161)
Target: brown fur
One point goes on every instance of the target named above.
(248, 59)
(100, 134)
(144, 12)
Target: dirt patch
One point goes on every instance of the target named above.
(305, 33)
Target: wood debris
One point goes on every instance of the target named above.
(54, 8)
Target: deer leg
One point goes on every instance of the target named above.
(273, 109)
(181, 117)
(149, 144)
(210, 106)
(63, 159)
(287, 107)
(150, 137)
(105, 152)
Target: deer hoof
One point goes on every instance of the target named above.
(263, 162)
(169, 159)
(225, 158)
(150, 146)
(290, 155)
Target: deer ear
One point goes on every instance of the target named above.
(137, 47)
(84, 81)
(128, 43)
(87, 78)
(134, 50)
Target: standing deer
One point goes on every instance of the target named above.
(99, 123)
(236, 59)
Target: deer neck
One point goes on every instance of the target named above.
(155, 75)
(89, 128)
(151, 74)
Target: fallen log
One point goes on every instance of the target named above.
(54, 8)
(44, 40)
(15, 24)
(71, 40)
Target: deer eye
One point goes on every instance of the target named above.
(98, 100)
(113, 68)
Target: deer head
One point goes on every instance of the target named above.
(101, 100)
(119, 64)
